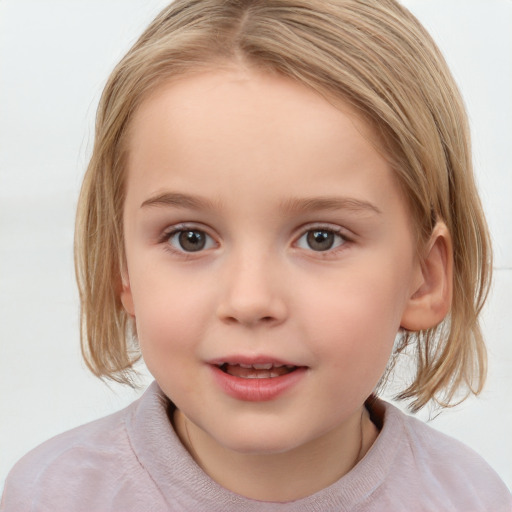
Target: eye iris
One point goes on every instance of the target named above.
(320, 240)
(191, 241)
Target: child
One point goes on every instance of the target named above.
(278, 189)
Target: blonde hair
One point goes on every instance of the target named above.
(374, 55)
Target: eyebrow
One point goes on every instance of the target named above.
(329, 203)
(178, 200)
(290, 206)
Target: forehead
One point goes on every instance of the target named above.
(231, 130)
(241, 94)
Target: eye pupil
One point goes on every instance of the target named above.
(192, 241)
(320, 240)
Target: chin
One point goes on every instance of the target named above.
(259, 441)
(260, 447)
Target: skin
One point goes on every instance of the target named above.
(255, 162)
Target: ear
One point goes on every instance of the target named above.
(126, 293)
(431, 297)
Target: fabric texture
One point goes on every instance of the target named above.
(132, 461)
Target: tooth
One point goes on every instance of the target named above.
(265, 375)
(262, 366)
(244, 365)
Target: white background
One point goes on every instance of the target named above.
(55, 56)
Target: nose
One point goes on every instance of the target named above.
(253, 292)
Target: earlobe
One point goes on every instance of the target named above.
(430, 301)
(126, 294)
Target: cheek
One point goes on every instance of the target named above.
(168, 337)
(354, 326)
(173, 312)
(169, 316)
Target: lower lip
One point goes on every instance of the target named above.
(257, 390)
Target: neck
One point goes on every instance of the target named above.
(280, 477)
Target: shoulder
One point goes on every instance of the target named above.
(444, 453)
(440, 468)
(68, 471)
(99, 437)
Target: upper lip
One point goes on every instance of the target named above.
(260, 360)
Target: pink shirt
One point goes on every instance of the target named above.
(132, 461)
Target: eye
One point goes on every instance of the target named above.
(190, 240)
(320, 240)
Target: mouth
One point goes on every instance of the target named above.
(257, 370)
(256, 378)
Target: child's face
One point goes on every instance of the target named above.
(262, 227)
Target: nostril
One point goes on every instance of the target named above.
(240, 319)
(252, 310)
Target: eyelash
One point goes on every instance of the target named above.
(333, 249)
(176, 230)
